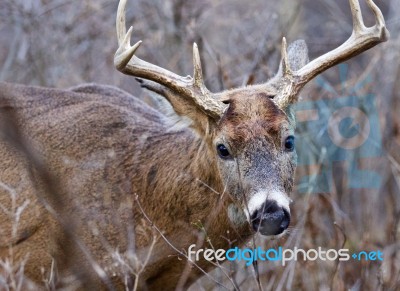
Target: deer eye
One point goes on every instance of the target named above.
(223, 152)
(289, 143)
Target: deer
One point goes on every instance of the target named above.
(98, 190)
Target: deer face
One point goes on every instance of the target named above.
(254, 147)
(252, 137)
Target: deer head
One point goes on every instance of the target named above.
(249, 131)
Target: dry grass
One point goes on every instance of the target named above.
(64, 43)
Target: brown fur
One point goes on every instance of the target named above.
(252, 114)
(80, 157)
(101, 147)
(107, 192)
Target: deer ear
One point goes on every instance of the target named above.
(297, 56)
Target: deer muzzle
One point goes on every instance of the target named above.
(269, 214)
(271, 219)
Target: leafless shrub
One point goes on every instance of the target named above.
(64, 43)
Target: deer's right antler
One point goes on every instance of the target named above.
(187, 87)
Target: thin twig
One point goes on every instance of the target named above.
(172, 246)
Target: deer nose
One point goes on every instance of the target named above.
(270, 219)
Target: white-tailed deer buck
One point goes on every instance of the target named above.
(99, 189)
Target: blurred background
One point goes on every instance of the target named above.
(345, 197)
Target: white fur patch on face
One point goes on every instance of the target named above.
(258, 199)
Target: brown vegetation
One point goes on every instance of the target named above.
(65, 43)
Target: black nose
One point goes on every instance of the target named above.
(270, 219)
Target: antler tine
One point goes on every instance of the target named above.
(120, 22)
(285, 59)
(125, 51)
(126, 62)
(198, 72)
(358, 22)
(187, 87)
(378, 15)
(362, 39)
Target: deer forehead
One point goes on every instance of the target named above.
(255, 116)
